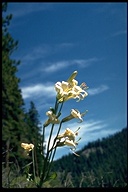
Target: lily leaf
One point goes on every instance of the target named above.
(53, 175)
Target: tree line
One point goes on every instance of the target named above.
(18, 125)
(102, 163)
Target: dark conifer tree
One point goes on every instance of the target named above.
(13, 127)
(34, 136)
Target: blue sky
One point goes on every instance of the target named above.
(56, 39)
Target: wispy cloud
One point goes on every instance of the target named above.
(43, 95)
(90, 130)
(56, 66)
(47, 90)
(36, 53)
(97, 90)
(44, 50)
(123, 32)
(23, 9)
(38, 90)
(41, 55)
(86, 128)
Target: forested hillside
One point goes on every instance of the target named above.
(102, 163)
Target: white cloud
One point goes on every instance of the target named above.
(46, 90)
(90, 130)
(89, 126)
(56, 66)
(97, 90)
(23, 9)
(64, 45)
(38, 52)
(85, 62)
(43, 95)
(43, 51)
(119, 33)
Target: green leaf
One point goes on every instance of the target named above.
(53, 175)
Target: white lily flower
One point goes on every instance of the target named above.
(79, 93)
(52, 119)
(73, 75)
(70, 89)
(75, 113)
(27, 147)
(70, 143)
(67, 134)
(67, 139)
(63, 90)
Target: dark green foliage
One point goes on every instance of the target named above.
(13, 126)
(17, 125)
(34, 136)
(101, 163)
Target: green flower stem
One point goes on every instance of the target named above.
(43, 134)
(54, 150)
(42, 179)
(46, 161)
(58, 130)
(56, 105)
(60, 108)
(33, 160)
(51, 162)
(52, 130)
(48, 157)
(56, 135)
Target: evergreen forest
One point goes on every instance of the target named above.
(102, 163)
(18, 125)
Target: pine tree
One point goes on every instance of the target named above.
(35, 137)
(13, 127)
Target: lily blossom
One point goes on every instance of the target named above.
(68, 133)
(67, 138)
(66, 141)
(73, 75)
(27, 147)
(52, 119)
(70, 90)
(74, 114)
(70, 143)
(80, 92)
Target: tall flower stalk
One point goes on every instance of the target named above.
(65, 90)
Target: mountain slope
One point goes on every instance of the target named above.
(102, 163)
